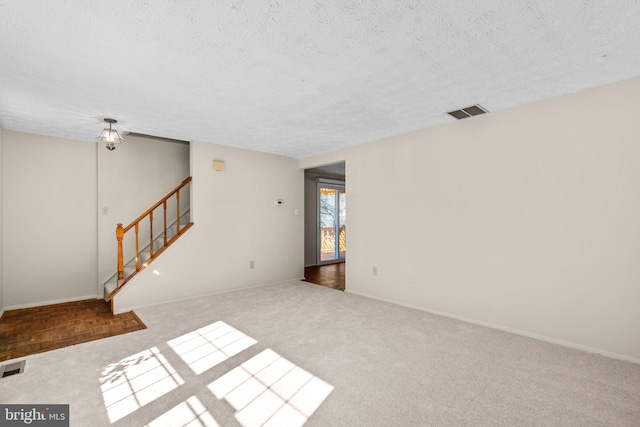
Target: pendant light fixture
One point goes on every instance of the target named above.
(110, 136)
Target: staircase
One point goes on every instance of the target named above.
(145, 254)
(167, 235)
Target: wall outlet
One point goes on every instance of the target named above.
(251, 264)
(375, 271)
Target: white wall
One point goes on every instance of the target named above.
(236, 220)
(131, 179)
(1, 227)
(525, 219)
(49, 219)
(56, 244)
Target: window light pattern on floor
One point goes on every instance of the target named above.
(190, 413)
(135, 381)
(208, 346)
(269, 390)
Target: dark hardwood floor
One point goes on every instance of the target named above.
(39, 329)
(329, 275)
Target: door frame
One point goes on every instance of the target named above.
(338, 185)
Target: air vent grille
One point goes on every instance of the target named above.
(12, 369)
(463, 113)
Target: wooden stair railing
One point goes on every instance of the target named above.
(153, 253)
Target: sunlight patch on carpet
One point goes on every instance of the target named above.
(191, 413)
(270, 390)
(210, 345)
(135, 381)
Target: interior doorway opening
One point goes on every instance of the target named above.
(326, 224)
(332, 219)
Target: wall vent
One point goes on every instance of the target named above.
(158, 138)
(463, 113)
(12, 368)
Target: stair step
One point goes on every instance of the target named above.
(129, 269)
(144, 255)
(110, 286)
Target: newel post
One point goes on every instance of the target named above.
(119, 236)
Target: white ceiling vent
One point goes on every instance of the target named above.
(463, 113)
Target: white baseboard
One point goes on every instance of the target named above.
(1, 312)
(127, 309)
(563, 343)
(58, 301)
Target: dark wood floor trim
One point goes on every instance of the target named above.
(38, 329)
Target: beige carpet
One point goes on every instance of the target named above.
(296, 353)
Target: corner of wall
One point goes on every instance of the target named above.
(521, 219)
(240, 238)
(68, 167)
(155, 167)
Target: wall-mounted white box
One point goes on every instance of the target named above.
(218, 165)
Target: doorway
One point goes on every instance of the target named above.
(332, 215)
(325, 230)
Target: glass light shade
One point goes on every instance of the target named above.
(110, 136)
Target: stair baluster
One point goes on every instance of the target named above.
(178, 211)
(151, 234)
(164, 209)
(137, 250)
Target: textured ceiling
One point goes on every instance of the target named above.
(297, 77)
